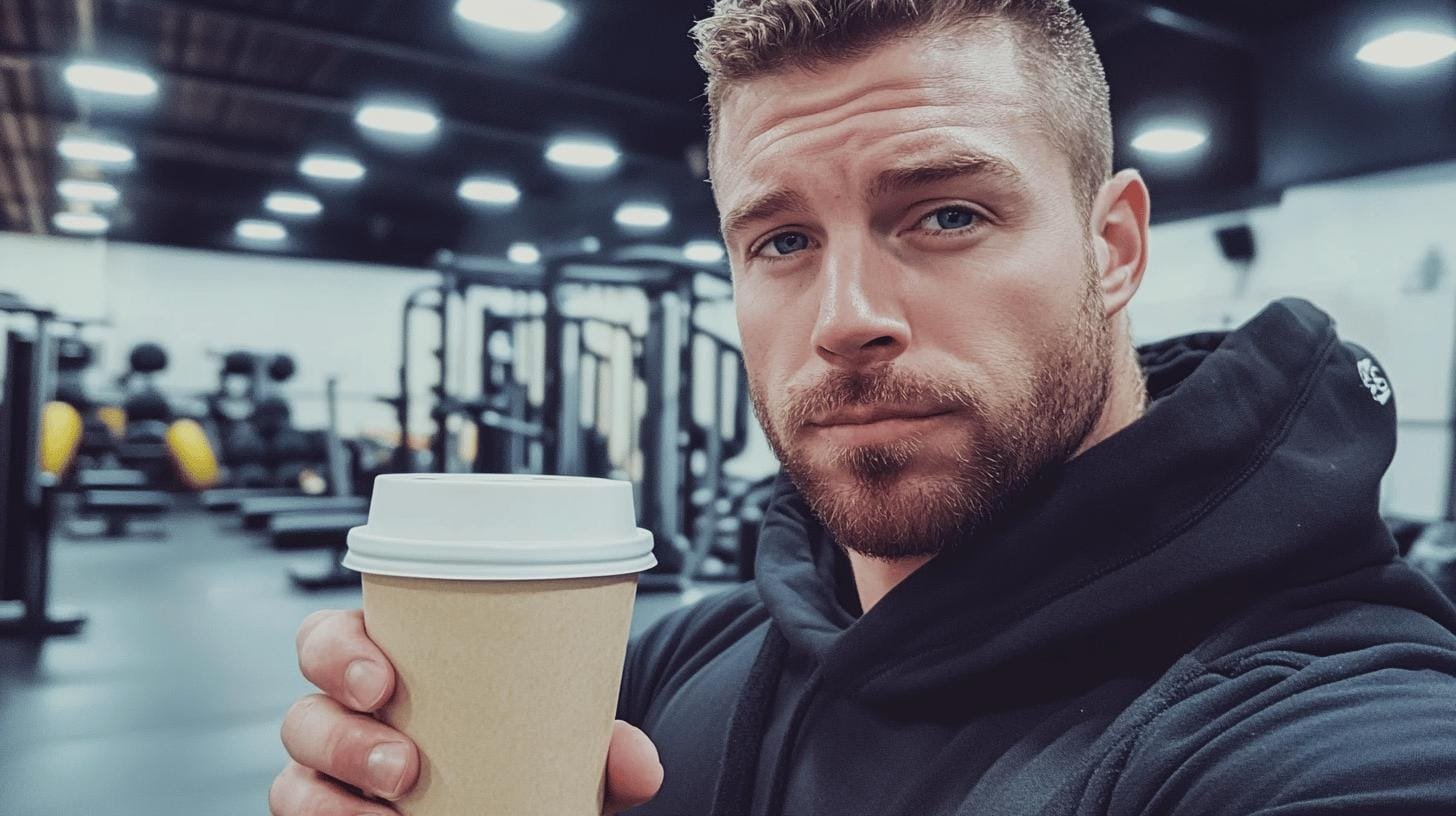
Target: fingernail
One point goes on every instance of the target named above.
(386, 768)
(366, 681)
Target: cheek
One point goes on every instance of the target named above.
(1000, 316)
(776, 331)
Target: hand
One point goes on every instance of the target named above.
(341, 755)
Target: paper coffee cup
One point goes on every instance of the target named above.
(504, 603)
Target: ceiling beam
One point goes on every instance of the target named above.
(436, 60)
(336, 106)
(13, 134)
(255, 163)
(268, 163)
(1188, 24)
(264, 166)
(145, 199)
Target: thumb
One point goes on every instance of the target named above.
(634, 772)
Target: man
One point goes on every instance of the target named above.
(1013, 566)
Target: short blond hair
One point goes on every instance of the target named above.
(747, 39)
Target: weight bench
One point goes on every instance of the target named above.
(117, 508)
(257, 512)
(119, 479)
(329, 529)
(224, 499)
(293, 531)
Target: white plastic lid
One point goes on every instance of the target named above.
(488, 527)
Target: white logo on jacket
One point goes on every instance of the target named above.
(1374, 380)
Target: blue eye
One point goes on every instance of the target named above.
(787, 243)
(948, 219)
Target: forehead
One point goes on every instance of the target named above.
(954, 90)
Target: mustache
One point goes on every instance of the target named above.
(838, 390)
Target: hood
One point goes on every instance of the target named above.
(1256, 466)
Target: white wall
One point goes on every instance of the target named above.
(1376, 252)
(334, 319)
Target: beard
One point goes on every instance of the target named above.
(872, 498)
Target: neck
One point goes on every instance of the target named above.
(875, 577)
(1126, 401)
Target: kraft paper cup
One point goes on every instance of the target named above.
(504, 603)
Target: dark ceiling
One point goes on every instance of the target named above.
(248, 87)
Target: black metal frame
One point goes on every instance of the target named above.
(27, 496)
(668, 434)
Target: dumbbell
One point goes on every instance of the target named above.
(281, 368)
(148, 358)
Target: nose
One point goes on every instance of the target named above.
(861, 321)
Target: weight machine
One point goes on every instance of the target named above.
(27, 496)
(558, 409)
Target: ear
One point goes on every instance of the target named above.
(1120, 238)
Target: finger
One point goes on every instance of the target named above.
(352, 748)
(336, 654)
(634, 772)
(312, 621)
(299, 791)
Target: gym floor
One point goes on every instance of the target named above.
(169, 700)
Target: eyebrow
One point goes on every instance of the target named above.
(947, 168)
(762, 208)
(934, 171)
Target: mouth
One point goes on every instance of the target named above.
(875, 425)
(872, 415)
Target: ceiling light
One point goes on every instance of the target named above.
(647, 216)
(591, 243)
(81, 223)
(523, 253)
(301, 204)
(487, 190)
(582, 153)
(95, 192)
(332, 167)
(258, 229)
(101, 151)
(1169, 140)
(1408, 49)
(109, 79)
(703, 251)
(518, 16)
(399, 119)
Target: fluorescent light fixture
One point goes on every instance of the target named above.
(101, 151)
(258, 229)
(591, 243)
(402, 120)
(486, 190)
(81, 223)
(523, 253)
(332, 167)
(582, 153)
(645, 216)
(94, 192)
(1169, 140)
(703, 251)
(516, 16)
(301, 204)
(1407, 49)
(100, 77)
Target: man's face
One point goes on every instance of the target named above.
(915, 287)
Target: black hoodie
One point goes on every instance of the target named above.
(1201, 615)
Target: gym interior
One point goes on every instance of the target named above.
(255, 255)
